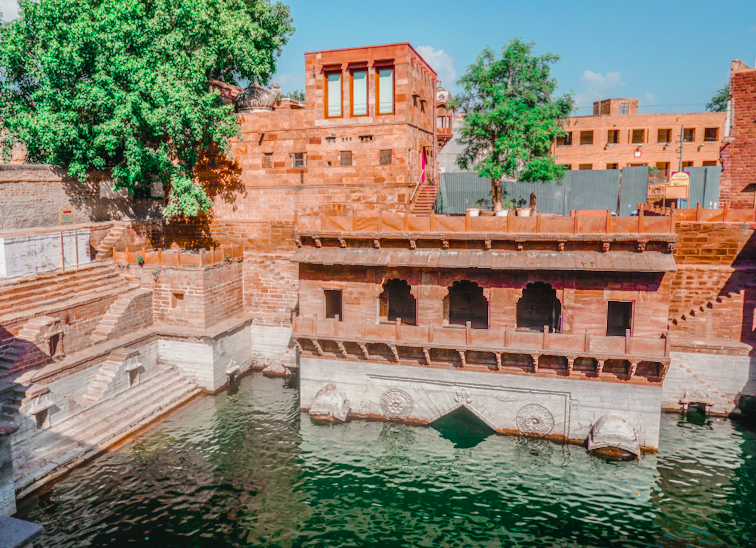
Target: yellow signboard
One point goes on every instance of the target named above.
(680, 178)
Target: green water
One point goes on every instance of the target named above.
(246, 468)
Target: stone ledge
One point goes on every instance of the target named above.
(17, 533)
(724, 347)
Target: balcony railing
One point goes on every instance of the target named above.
(499, 343)
(178, 257)
(699, 214)
(537, 224)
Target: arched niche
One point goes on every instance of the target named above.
(539, 306)
(397, 301)
(466, 302)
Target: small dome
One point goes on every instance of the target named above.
(613, 432)
(256, 98)
(442, 96)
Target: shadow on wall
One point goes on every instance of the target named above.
(221, 179)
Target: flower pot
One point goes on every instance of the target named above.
(473, 212)
(523, 211)
(502, 213)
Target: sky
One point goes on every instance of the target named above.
(671, 55)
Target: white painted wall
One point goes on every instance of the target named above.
(721, 377)
(34, 254)
(575, 405)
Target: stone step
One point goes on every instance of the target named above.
(46, 280)
(32, 472)
(22, 300)
(89, 418)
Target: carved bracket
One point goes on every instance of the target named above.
(317, 346)
(462, 357)
(426, 353)
(394, 352)
(342, 349)
(364, 351)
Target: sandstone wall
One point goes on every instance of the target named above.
(31, 195)
(738, 188)
(569, 407)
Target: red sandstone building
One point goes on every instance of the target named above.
(617, 136)
(739, 151)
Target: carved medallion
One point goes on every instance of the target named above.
(534, 420)
(463, 395)
(396, 404)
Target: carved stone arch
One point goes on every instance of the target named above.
(465, 301)
(470, 408)
(397, 301)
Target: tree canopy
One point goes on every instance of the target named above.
(719, 102)
(124, 85)
(511, 116)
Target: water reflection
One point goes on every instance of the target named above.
(245, 468)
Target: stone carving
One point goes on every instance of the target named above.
(535, 420)
(330, 405)
(256, 98)
(463, 395)
(611, 435)
(396, 404)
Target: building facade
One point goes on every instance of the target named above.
(739, 150)
(538, 326)
(617, 136)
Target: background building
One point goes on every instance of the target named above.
(616, 136)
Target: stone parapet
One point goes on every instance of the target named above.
(633, 359)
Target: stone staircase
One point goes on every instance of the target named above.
(97, 387)
(65, 445)
(32, 295)
(718, 401)
(114, 318)
(425, 200)
(105, 247)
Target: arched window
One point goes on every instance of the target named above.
(397, 301)
(466, 303)
(539, 306)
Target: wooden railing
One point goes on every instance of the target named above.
(370, 222)
(507, 340)
(178, 257)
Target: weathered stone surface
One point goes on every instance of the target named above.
(17, 533)
(330, 404)
(613, 432)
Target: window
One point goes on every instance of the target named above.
(664, 136)
(689, 136)
(442, 122)
(564, 140)
(385, 87)
(612, 166)
(359, 93)
(639, 136)
(466, 303)
(709, 163)
(586, 137)
(346, 157)
(268, 159)
(568, 167)
(333, 303)
(624, 108)
(299, 159)
(539, 306)
(178, 300)
(333, 95)
(386, 157)
(619, 318)
(612, 137)
(397, 302)
(585, 167)
(687, 164)
(663, 168)
(711, 134)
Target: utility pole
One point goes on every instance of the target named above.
(682, 141)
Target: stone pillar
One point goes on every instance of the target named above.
(7, 488)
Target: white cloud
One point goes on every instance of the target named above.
(9, 8)
(442, 63)
(597, 86)
(648, 99)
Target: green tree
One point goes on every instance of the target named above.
(124, 85)
(719, 102)
(511, 116)
(297, 95)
